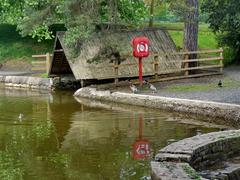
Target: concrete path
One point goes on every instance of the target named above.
(14, 73)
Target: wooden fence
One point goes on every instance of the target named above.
(210, 62)
(42, 65)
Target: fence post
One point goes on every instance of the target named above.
(221, 61)
(186, 64)
(116, 71)
(48, 62)
(156, 67)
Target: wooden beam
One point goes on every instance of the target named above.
(184, 77)
(202, 67)
(40, 56)
(190, 52)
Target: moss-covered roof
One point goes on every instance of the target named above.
(97, 54)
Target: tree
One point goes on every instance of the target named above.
(224, 20)
(191, 30)
(80, 17)
(189, 11)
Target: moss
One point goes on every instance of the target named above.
(190, 172)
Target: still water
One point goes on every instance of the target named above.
(54, 136)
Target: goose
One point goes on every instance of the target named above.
(151, 86)
(133, 88)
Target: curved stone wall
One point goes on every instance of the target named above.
(27, 82)
(187, 156)
(230, 113)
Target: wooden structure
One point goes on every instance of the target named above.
(164, 63)
(103, 56)
(42, 65)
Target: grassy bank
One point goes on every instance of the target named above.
(14, 47)
(206, 38)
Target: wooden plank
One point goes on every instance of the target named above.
(172, 61)
(38, 69)
(199, 60)
(156, 67)
(203, 59)
(221, 61)
(40, 56)
(202, 67)
(58, 50)
(185, 77)
(38, 62)
(190, 52)
(116, 71)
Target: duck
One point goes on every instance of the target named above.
(151, 86)
(220, 83)
(20, 117)
(133, 88)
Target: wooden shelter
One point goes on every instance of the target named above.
(100, 54)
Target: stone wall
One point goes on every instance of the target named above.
(198, 152)
(27, 82)
(228, 112)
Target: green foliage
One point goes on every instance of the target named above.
(10, 166)
(14, 47)
(224, 19)
(34, 17)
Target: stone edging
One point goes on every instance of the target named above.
(27, 82)
(228, 112)
(178, 159)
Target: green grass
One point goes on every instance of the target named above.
(14, 47)
(180, 26)
(206, 40)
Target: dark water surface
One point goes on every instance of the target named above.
(53, 136)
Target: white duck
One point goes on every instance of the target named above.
(133, 88)
(20, 117)
(151, 87)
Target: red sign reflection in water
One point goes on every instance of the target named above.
(141, 147)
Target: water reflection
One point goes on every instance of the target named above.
(60, 138)
(141, 147)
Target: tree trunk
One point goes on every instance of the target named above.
(151, 14)
(191, 31)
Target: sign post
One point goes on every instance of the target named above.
(140, 71)
(140, 50)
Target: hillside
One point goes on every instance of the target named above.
(15, 48)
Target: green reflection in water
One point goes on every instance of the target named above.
(58, 138)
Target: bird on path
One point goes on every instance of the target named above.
(220, 83)
(133, 88)
(151, 87)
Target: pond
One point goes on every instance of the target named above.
(54, 136)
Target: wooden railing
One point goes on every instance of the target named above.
(42, 65)
(216, 62)
(206, 64)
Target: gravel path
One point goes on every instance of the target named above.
(229, 93)
(14, 73)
